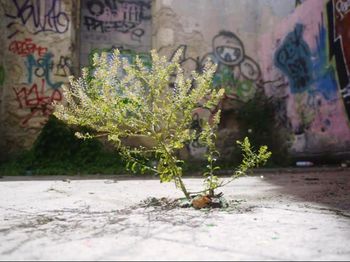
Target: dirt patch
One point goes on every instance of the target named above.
(167, 204)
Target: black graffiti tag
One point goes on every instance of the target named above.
(64, 66)
(42, 16)
(118, 16)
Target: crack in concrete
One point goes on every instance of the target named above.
(18, 246)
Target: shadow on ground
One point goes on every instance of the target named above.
(331, 188)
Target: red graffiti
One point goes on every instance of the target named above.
(26, 47)
(36, 100)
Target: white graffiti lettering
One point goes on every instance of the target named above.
(343, 7)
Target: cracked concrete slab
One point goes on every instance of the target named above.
(273, 216)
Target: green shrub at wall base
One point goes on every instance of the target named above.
(57, 151)
(257, 119)
(57, 142)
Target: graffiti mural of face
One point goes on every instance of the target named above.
(228, 48)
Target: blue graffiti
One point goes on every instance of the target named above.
(293, 58)
(324, 73)
(41, 68)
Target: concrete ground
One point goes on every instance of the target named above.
(272, 216)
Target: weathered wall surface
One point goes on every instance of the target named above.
(305, 62)
(226, 32)
(303, 59)
(37, 55)
(109, 24)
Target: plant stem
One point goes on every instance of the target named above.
(183, 188)
(176, 173)
(211, 191)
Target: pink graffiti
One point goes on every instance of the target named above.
(26, 47)
(36, 100)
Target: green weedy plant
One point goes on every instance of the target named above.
(122, 100)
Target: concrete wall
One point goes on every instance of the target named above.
(226, 32)
(37, 54)
(106, 25)
(41, 48)
(303, 59)
(305, 62)
(196, 23)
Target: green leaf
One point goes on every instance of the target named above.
(133, 167)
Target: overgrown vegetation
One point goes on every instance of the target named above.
(57, 151)
(122, 100)
(257, 119)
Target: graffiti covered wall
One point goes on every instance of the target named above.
(108, 24)
(339, 45)
(303, 60)
(224, 31)
(38, 54)
(304, 63)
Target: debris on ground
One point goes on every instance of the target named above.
(201, 202)
(198, 202)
